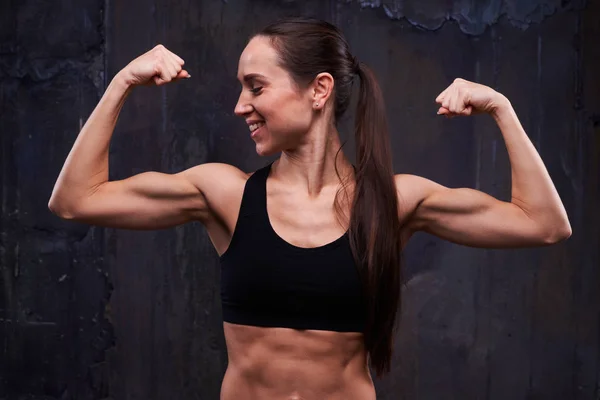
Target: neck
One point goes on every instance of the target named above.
(313, 163)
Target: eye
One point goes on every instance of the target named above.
(256, 90)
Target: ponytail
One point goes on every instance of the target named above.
(374, 224)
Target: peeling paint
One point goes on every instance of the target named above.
(473, 17)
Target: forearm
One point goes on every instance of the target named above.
(532, 187)
(86, 166)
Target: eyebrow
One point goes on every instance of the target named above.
(249, 77)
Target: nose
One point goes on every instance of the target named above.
(242, 107)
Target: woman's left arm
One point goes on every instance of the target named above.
(534, 216)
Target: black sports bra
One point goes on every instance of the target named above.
(266, 281)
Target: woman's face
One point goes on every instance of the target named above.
(269, 97)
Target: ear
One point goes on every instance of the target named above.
(321, 89)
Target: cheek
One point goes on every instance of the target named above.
(288, 114)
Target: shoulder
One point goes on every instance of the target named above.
(412, 190)
(220, 169)
(215, 180)
(220, 185)
(415, 186)
(209, 173)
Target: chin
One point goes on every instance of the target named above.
(265, 151)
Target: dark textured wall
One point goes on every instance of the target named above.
(92, 313)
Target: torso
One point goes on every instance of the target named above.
(283, 363)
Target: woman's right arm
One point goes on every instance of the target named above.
(149, 200)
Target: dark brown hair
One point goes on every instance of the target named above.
(307, 47)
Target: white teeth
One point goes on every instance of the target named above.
(254, 127)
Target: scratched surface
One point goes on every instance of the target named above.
(472, 17)
(91, 313)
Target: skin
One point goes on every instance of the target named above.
(281, 363)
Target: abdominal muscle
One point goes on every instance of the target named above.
(291, 364)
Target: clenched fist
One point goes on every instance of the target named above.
(156, 67)
(463, 97)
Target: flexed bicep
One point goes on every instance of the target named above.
(470, 217)
(154, 200)
(150, 200)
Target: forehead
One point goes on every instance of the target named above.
(259, 57)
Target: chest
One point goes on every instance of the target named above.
(289, 264)
(305, 222)
(268, 267)
(267, 281)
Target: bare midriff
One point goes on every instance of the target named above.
(291, 364)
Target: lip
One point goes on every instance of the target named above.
(254, 133)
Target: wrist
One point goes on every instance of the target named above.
(500, 106)
(123, 80)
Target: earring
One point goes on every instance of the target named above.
(317, 104)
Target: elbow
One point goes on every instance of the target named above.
(559, 234)
(60, 210)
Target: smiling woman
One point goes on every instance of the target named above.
(310, 245)
(297, 80)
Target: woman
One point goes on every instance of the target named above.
(309, 245)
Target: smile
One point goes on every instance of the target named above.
(254, 127)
